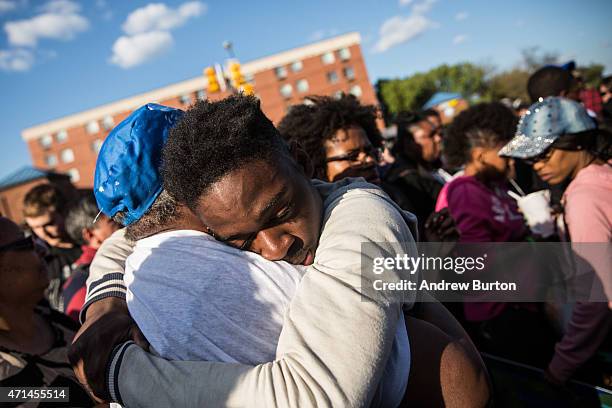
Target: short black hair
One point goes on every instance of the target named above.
(482, 125)
(431, 112)
(213, 139)
(320, 117)
(549, 81)
(405, 145)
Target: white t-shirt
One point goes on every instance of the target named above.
(195, 298)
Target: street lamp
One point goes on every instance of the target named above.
(229, 47)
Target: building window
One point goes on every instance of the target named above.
(108, 122)
(96, 145)
(201, 95)
(338, 94)
(51, 160)
(349, 73)
(93, 127)
(185, 99)
(344, 54)
(286, 90)
(302, 85)
(61, 136)
(332, 77)
(46, 141)
(75, 176)
(356, 91)
(328, 58)
(297, 66)
(67, 156)
(281, 72)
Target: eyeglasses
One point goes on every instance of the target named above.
(25, 244)
(370, 151)
(542, 157)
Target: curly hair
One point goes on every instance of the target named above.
(213, 139)
(482, 125)
(320, 117)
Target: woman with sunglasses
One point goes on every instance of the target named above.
(342, 139)
(33, 337)
(562, 143)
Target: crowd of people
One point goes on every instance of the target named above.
(218, 260)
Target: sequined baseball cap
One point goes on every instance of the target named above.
(543, 123)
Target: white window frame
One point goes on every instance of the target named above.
(286, 94)
(328, 58)
(108, 122)
(53, 158)
(70, 153)
(335, 75)
(75, 175)
(297, 66)
(299, 87)
(344, 54)
(46, 141)
(92, 127)
(281, 72)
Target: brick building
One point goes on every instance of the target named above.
(329, 67)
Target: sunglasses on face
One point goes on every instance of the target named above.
(353, 156)
(25, 244)
(542, 157)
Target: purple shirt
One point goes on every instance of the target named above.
(484, 214)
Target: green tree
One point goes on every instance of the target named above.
(509, 84)
(591, 74)
(412, 92)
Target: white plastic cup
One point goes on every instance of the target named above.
(536, 210)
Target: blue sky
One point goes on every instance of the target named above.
(61, 56)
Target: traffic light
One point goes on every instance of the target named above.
(235, 75)
(213, 82)
(248, 89)
(237, 79)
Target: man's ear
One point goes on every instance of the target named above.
(87, 235)
(301, 158)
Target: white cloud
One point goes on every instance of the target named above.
(61, 7)
(148, 34)
(398, 30)
(16, 60)
(462, 15)
(458, 39)
(423, 7)
(6, 6)
(60, 20)
(403, 3)
(130, 51)
(158, 16)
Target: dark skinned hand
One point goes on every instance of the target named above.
(91, 351)
(441, 227)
